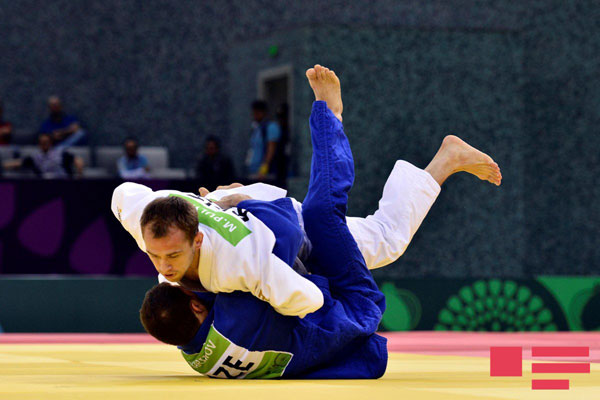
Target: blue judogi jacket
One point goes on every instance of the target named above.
(244, 337)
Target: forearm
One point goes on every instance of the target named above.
(60, 134)
(232, 200)
(271, 147)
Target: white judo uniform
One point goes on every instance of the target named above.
(236, 252)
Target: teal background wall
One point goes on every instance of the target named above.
(103, 304)
(72, 304)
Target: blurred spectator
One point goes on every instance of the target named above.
(50, 161)
(213, 168)
(64, 129)
(132, 165)
(264, 137)
(5, 128)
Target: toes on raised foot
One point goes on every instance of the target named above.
(318, 70)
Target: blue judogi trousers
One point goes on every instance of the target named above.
(244, 337)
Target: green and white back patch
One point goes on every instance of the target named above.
(221, 358)
(226, 223)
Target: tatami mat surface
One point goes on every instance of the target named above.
(134, 367)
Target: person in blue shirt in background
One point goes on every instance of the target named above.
(66, 131)
(132, 165)
(236, 335)
(264, 138)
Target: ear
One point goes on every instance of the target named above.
(144, 231)
(198, 241)
(197, 307)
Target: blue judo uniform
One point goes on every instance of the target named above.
(244, 337)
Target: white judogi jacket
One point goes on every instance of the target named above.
(236, 252)
(251, 266)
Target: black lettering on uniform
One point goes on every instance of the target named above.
(238, 364)
(243, 214)
(227, 374)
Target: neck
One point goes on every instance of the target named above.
(192, 271)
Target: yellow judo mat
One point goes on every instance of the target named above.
(156, 371)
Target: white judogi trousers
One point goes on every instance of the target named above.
(382, 238)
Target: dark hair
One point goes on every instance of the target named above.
(213, 139)
(166, 314)
(166, 212)
(259, 105)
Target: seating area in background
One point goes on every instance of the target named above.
(99, 162)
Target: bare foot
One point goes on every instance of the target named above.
(455, 155)
(326, 85)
